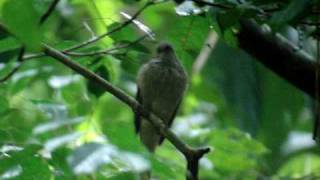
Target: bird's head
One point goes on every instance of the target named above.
(164, 48)
(166, 53)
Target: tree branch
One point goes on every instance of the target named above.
(45, 16)
(279, 55)
(70, 50)
(17, 67)
(91, 53)
(118, 28)
(192, 155)
(109, 51)
(221, 6)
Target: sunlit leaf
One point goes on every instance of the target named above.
(237, 148)
(22, 20)
(25, 164)
(295, 167)
(56, 142)
(53, 125)
(90, 157)
(8, 44)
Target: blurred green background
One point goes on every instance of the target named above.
(56, 125)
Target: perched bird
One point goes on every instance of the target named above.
(161, 85)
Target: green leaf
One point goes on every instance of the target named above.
(90, 157)
(59, 141)
(229, 18)
(162, 168)
(22, 79)
(27, 164)
(8, 55)
(8, 43)
(103, 71)
(230, 39)
(294, 10)
(132, 61)
(55, 124)
(4, 104)
(224, 24)
(122, 135)
(295, 167)
(140, 48)
(12, 128)
(21, 19)
(3, 33)
(127, 33)
(187, 36)
(55, 111)
(124, 176)
(130, 1)
(77, 101)
(242, 153)
(60, 165)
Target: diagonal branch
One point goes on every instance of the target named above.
(52, 6)
(279, 55)
(192, 155)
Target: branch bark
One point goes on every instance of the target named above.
(279, 55)
(17, 67)
(192, 155)
(51, 8)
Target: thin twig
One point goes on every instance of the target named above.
(204, 53)
(70, 50)
(118, 28)
(51, 8)
(192, 155)
(17, 67)
(92, 53)
(221, 6)
(33, 56)
(109, 51)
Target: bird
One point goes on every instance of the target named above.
(161, 84)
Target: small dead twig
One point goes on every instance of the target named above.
(17, 67)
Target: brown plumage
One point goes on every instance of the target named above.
(161, 85)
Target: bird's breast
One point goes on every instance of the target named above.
(162, 88)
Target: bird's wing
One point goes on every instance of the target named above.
(137, 115)
(171, 119)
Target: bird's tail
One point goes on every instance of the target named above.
(149, 135)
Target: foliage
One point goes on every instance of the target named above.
(55, 124)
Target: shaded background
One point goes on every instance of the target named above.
(54, 123)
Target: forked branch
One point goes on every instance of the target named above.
(192, 155)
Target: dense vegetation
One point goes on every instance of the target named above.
(55, 123)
